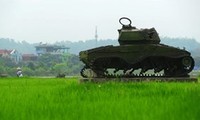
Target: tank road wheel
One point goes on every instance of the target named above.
(171, 68)
(180, 67)
(86, 72)
(188, 64)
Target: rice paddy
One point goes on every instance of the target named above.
(68, 99)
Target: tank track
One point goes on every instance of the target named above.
(179, 67)
(114, 75)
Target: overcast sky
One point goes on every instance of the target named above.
(74, 20)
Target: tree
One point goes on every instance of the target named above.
(60, 68)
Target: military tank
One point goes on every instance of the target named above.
(139, 54)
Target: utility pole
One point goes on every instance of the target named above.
(96, 36)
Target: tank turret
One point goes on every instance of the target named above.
(132, 35)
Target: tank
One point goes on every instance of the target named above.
(139, 54)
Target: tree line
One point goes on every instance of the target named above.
(45, 65)
(189, 44)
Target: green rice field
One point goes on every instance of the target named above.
(68, 99)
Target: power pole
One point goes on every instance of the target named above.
(96, 36)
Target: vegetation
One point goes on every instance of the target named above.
(197, 61)
(46, 65)
(59, 99)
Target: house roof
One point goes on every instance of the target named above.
(5, 51)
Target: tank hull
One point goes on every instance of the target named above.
(133, 53)
(157, 57)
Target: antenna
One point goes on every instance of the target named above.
(96, 36)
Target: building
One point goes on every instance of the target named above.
(4, 53)
(50, 49)
(29, 57)
(14, 55)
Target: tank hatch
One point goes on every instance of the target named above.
(129, 34)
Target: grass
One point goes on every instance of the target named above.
(61, 99)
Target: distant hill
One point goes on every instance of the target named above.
(189, 44)
(75, 47)
(22, 47)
